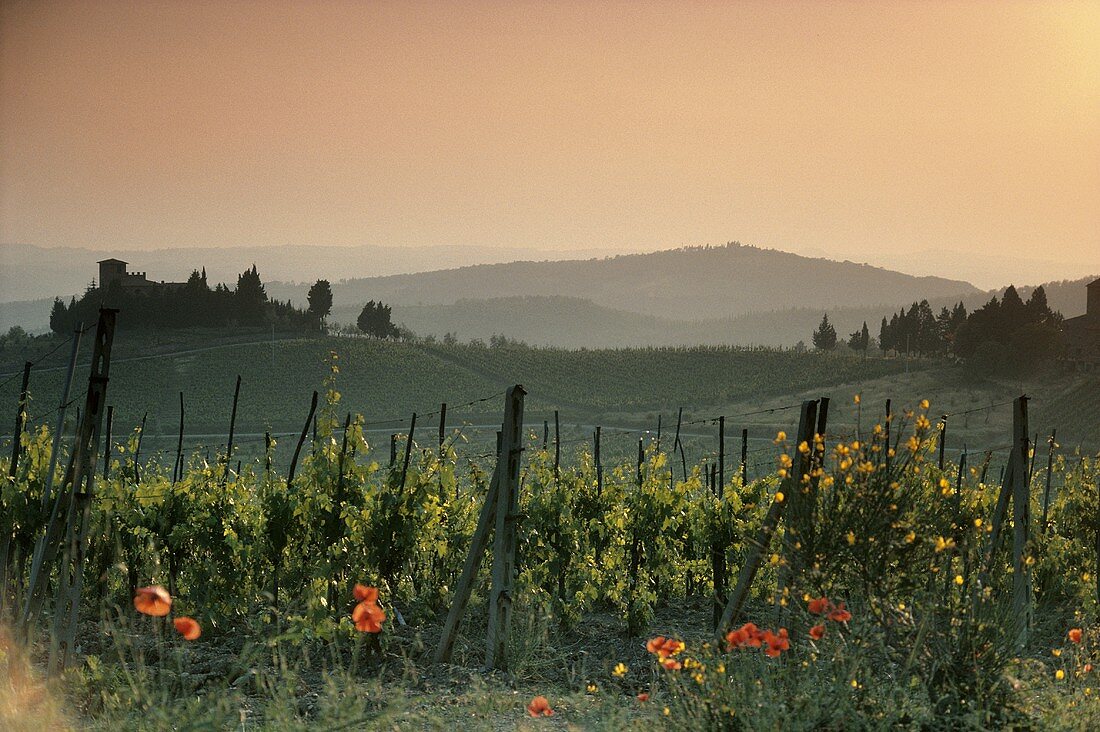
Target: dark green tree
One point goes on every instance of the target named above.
(250, 298)
(59, 317)
(320, 300)
(375, 320)
(824, 337)
(859, 340)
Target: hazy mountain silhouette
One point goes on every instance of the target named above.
(29, 272)
(693, 283)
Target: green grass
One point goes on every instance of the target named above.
(387, 381)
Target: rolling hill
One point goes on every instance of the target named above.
(694, 283)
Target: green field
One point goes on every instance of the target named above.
(625, 390)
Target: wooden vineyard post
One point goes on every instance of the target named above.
(408, 451)
(801, 499)
(508, 458)
(744, 457)
(77, 491)
(442, 452)
(1050, 467)
(63, 405)
(137, 449)
(232, 427)
(177, 467)
(20, 421)
(545, 434)
(504, 540)
(33, 603)
(599, 463)
(393, 449)
(279, 518)
(817, 460)
(677, 445)
(6, 526)
(557, 447)
(721, 456)
(771, 521)
(470, 568)
(442, 427)
(942, 440)
(1014, 488)
(1021, 516)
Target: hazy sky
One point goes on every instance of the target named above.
(866, 130)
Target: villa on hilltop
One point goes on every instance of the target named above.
(114, 270)
(1083, 333)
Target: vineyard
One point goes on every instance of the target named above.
(863, 578)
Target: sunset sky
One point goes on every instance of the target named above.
(869, 131)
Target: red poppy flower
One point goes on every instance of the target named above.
(840, 615)
(671, 664)
(539, 706)
(1074, 635)
(368, 617)
(643, 697)
(664, 647)
(818, 631)
(153, 600)
(777, 643)
(365, 594)
(748, 635)
(819, 605)
(187, 627)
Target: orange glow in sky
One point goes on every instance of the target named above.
(853, 127)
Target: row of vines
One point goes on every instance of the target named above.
(240, 545)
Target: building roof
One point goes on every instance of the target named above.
(119, 261)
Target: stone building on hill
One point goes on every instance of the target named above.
(114, 270)
(1083, 333)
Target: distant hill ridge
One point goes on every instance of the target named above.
(691, 283)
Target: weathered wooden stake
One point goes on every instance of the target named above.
(802, 500)
(1021, 516)
(677, 445)
(177, 468)
(55, 446)
(301, 441)
(470, 568)
(1050, 468)
(137, 449)
(599, 464)
(557, 447)
(20, 421)
(408, 451)
(232, 427)
(744, 457)
(504, 542)
(721, 456)
(6, 525)
(767, 529)
(943, 439)
(442, 426)
(74, 497)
